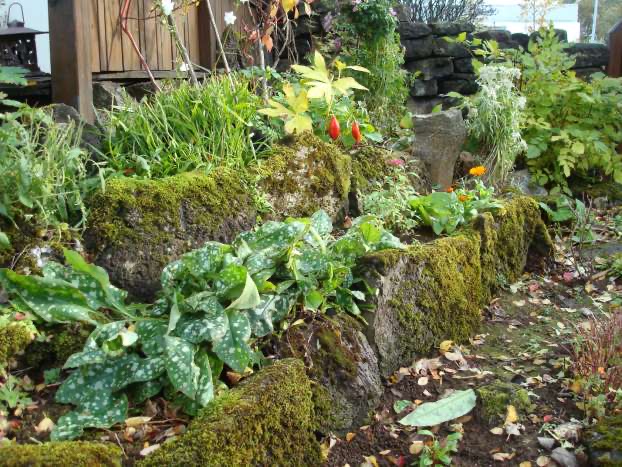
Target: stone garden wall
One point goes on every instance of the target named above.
(443, 66)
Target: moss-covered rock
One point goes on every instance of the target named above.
(136, 227)
(61, 341)
(268, 419)
(494, 399)
(70, 453)
(305, 175)
(604, 442)
(342, 363)
(13, 339)
(432, 292)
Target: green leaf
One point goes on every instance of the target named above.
(205, 386)
(313, 300)
(249, 298)
(233, 347)
(455, 405)
(180, 367)
(401, 405)
(5, 243)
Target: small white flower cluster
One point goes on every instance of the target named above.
(167, 7)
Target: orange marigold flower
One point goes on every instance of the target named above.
(478, 171)
(463, 198)
(450, 189)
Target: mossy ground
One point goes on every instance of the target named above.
(605, 442)
(267, 420)
(13, 339)
(78, 454)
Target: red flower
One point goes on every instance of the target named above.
(396, 162)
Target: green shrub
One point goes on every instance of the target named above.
(185, 128)
(573, 126)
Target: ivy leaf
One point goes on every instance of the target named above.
(233, 348)
(180, 366)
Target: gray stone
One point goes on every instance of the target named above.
(91, 135)
(418, 48)
(521, 39)
(586, 73)
(564, 457)
(444, 48)
(106, 94)
(523, 180)
(589, 55)
(561, 34)
(499, 35)
(432, 68)
(570, 431)
(422, 88)
(413, 30)
(440, 137)
(425, 105)
(461, 86)
(546, 443)
(451, 29)
(340, 359)
(141, 90)
(463, 65)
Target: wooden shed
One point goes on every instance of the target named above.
(87, 42)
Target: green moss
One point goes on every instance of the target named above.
(266, 420)
(300, 174)
(369, 164)
(74, 453)
(64, 341)
(149, 210)
(495, 397)
(441, 295)
(506, 239)
(13, 338)
(605, 442)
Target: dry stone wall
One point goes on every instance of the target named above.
(442, 66)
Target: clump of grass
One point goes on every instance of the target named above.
(185, 128)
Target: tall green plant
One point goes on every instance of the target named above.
(45, 172)
(185, 128)
(573, 126)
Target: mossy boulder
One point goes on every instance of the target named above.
(14, 338)
(70, 453)
(61, 341)
(604, 442)
(494, 399)
(342, 363)
(305, 174)
(268, 419)
(435, 291)
(136, 227)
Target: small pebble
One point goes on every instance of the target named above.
(564, 457)
(546, 443)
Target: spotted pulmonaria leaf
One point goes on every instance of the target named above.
(209, 323)
(180, 367)
(205, 387)
(233, 348)
(103, 414)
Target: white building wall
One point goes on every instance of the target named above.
(36, 17)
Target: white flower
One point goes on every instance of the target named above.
(167, 7)
(229, 18)
(184, 67)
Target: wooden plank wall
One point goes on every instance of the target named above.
(615, 55)
(112, 51)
